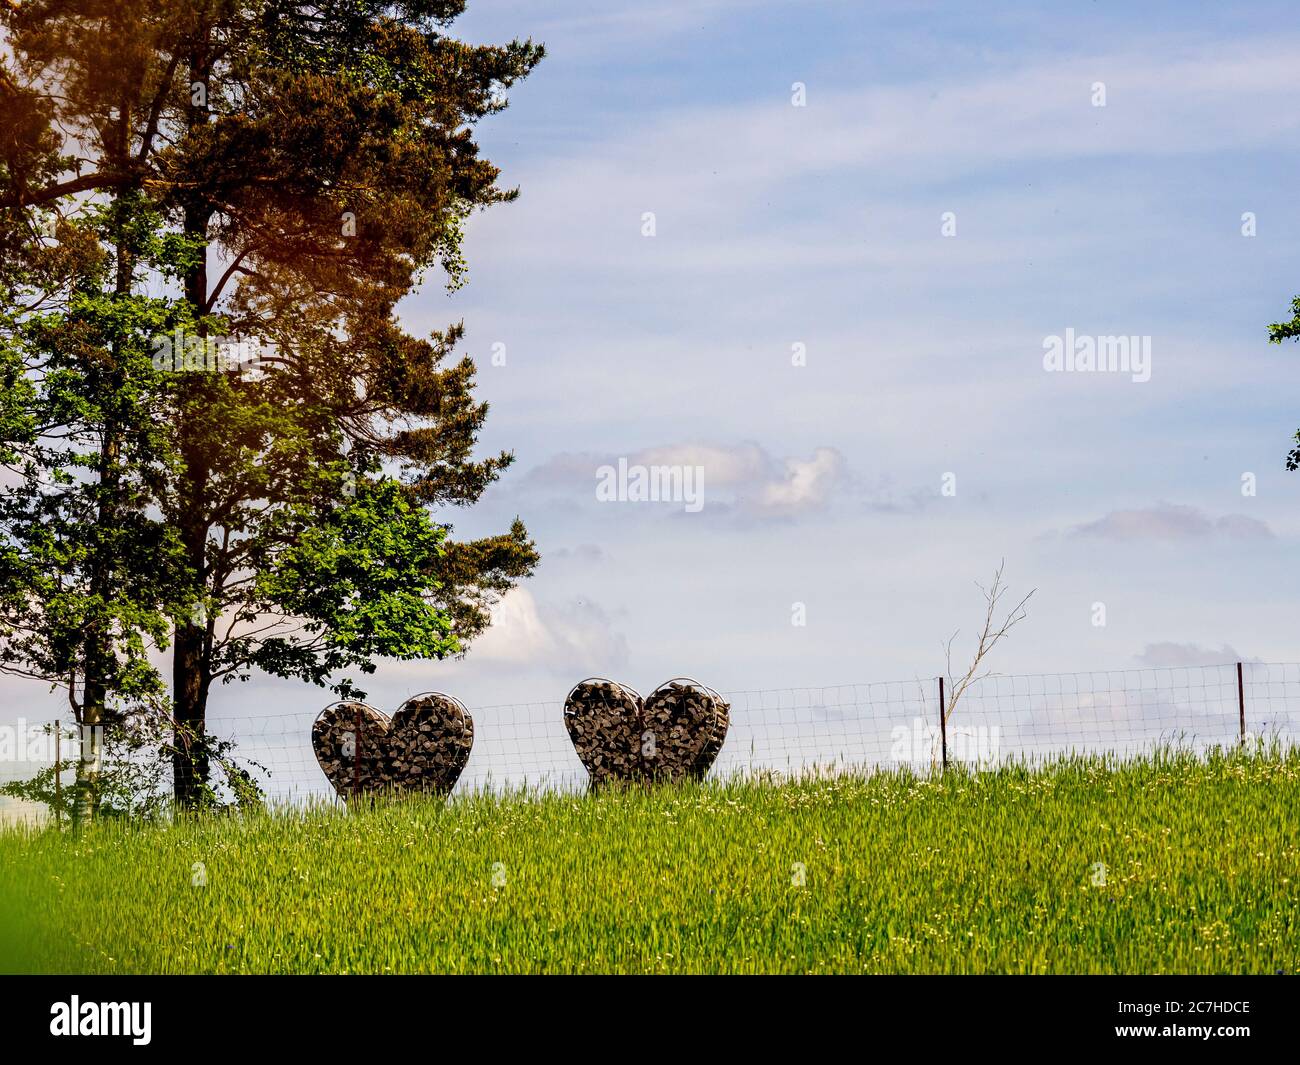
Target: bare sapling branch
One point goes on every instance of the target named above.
(989, 636)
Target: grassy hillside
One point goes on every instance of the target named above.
(971, 873)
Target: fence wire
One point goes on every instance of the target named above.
(830, 729)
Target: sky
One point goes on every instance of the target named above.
(816, 251)
(822, 225)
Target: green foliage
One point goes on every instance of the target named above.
(80, 551)
(360, 573)
(1278, 332)
(969, 872)
(133, 782)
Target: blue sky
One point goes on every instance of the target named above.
(820, 225)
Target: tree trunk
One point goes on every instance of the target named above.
(89, 764)
(191, 667)
(190, 657)
(91, 717)
(97, 649)
(190, 759)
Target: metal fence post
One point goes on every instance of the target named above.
(1241, 706)
(943, 724)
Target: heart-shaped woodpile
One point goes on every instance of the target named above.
(422, 748)
(672, 734)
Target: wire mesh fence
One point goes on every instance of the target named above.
(818, 730)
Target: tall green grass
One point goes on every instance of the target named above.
(987, 872)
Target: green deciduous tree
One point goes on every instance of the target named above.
(87, 575)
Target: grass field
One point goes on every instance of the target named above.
(971, 873)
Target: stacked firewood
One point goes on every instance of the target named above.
(603, 719)
(686, 724)
(430, 740)
(422, 748)
(673, 734)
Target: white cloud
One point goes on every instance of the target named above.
(742, 477)
(576, 637)
(724, 466)
(807, 482)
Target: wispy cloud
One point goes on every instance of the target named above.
(1169, 521)
(704, 169)
(1175, 655)
(592, 28)
(587, 554)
